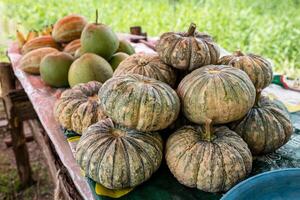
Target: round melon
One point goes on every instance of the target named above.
(54, 69)
(125, 47)
(89, 67)
(116, 59)
(99, 39)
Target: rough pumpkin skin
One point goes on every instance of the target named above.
(147, 65)
(39, 42)
(78, 108)
(256, 67)
(72, 47)
(68, 28)
(139, 102)
(212, 161)
(187, 51)
(118, 157)
(218, 92)
(31, 61)
(266, 127)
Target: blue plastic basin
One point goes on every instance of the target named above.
(281, 184)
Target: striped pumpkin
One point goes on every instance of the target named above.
(72, 47)
(39, 42)
(217, 92)
(68, 28)
(139, 102)
(78, 107)
(266, 127)
(118, 157)
(31, 61)
(210, 159)
(147, 65)
(187, 51)
(257, 68)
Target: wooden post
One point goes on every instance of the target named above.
(16, 127)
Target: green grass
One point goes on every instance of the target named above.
(268, 28)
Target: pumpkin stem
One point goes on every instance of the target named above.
(191, 30)
(257, 97)
(239, 53)
(96, 16)
(208, 130)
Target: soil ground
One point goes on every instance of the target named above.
(9, 180)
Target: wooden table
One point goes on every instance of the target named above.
(43, 99)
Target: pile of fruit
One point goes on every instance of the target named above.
(211, 107)
(71, 52)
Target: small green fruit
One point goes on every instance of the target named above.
(117, 58)
(89, 67)
(99, 39)
(126, 47)
(54, 69)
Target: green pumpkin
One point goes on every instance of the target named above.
(139, 102)
(187, 50)
(219, 92)
(78, 107)
(118, 157)
(266, 127)
(257, 68)
(147, 65)
(212, 159)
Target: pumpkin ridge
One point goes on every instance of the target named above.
(126, 157)
(241, 80)
(266, 127)
(238, 152)
(145, 139)
(224, 177)
(113, 161)
(183, 152)
(109, 141)
(170, 51)
(276, 116)
(137, 146)
(200, 161)
(142, 163)
(141, 98)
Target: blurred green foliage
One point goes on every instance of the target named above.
(269, 28)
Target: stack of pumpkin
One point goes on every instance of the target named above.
(70, 53)
(125, 149)
(217, 118)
